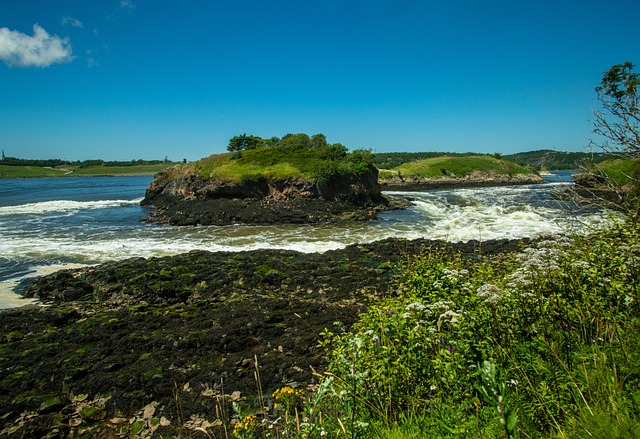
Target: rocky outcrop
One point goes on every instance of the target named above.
(185, 198)
(475, 179)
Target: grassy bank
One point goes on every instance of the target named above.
(71, 171)
(453, 166)
(621, 172)
(29, 172)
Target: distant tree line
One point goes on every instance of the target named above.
(52, 163)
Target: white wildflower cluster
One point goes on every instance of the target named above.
(521, 281)
(455, 276)
(373, 337)
(560, 241)
(540, 259)
(580, 265)
(452, 278)
(416, 307)
(632, 255)
(450, 316)
(442, 305)
(424, 315)
(535, 262)
(491, 294)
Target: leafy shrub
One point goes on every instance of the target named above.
(557, 320)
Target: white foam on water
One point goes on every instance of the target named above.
(62, 206)
(453, 215)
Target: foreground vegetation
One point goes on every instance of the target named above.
(539, 344)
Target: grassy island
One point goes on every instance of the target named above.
(280, 162)
(296, 179)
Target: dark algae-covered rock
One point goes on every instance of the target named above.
(178, 332)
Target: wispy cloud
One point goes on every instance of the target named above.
(127, 4)
(73, 22)
(39, 50)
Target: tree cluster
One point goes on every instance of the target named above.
(617, 120)
(52, 163)
(288, 141)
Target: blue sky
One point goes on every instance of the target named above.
(130, 79)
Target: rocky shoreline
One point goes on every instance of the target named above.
(178, 332)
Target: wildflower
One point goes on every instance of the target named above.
(450, 316)
(490, 294)
(415, 306)
(288, 398)
(581, 265)
(246, 426)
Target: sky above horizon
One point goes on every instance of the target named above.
(149, 79)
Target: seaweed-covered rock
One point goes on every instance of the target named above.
(179, 332)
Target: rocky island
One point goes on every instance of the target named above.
(294, 180)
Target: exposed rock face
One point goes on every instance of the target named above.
(475, 179)
(188, 199)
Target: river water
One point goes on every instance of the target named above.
(50, 223)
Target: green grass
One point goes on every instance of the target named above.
(621, 171)
(273, 163)
(122, 170)
(70, 171)
(28, 172)
(446, 166)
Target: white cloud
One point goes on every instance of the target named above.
(73, 22)
(39, 50)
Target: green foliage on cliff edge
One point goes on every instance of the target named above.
(280, 163)
(448, 166)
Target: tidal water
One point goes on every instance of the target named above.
(49, 223)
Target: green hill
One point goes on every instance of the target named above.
(456, 167)
(554, 160)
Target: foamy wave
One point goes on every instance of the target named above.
(46, 207)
